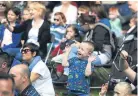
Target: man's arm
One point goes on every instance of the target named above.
(131, 74)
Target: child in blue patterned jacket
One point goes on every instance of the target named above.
(80, 64)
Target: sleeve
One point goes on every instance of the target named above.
(40, 68)
(45, 36)
(22, 27)
(73, 52)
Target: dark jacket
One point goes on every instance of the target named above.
(44, 36)
(131, 47)
(16, 38)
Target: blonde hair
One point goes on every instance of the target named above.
(84, 8)
(39, 7)
(125, 86)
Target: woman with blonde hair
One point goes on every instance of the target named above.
(36, 30)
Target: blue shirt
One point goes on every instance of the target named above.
(77, 81)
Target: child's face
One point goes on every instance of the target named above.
(84, 51)
(26, 15)
(112, 15)
(132, 22)
(57, 20)
(70, 33)
(81, 12)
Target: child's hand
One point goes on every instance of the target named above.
(124, 54)
(63, 40)
(91, 58)
(104, 89)
(67, 48)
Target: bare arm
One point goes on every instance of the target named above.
(34, 76)
(88, 70)
(65, 57)
(131, 74)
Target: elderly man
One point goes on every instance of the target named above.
(21, 76)
(6, 85)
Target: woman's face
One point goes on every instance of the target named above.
(11, 16)
(70, 33)
(34, 13)
(2, 6)
(57, 20)
(27, 54)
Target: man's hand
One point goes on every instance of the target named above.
(124, 54)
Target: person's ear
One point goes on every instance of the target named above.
(4, 65)
(34, 53)
(89, 53)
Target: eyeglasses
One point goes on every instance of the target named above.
(1, 4)
(56, 19)
(25, 51)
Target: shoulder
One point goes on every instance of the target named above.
(46, 23)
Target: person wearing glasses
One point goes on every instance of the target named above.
(58, 28)
(36, 30)
(4, 7)
(40, 74)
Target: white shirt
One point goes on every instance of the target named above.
(7, 39)
(33, 34)
(71, 14)
(44, 84)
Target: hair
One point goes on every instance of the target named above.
(84, 8)
(90, 44)
(33, 48)
(5, 57)
(99, 10)
(16, 11)
(77, 35)
(27, 9)
(113, 9)
(127, 87)
(24, 70)
(5, 76)
(62, 16)
(39, 7)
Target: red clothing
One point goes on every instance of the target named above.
(56, 50)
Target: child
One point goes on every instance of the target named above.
(72, 35)
(115, 21)
(80, 65)
(58, 27)
(81, 10)
(26, 14)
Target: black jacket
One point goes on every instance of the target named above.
(44, 36)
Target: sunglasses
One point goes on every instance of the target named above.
(26, 51)
(56, 19)
(1, 4)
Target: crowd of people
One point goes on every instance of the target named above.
(86, 34)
